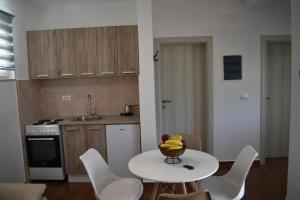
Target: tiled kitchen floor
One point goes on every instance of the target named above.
(267, 182)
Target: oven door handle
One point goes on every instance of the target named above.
(39, 139)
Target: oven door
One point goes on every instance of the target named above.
(43, 151)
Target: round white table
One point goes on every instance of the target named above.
(151, 165)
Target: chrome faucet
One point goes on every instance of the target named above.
(92, 109)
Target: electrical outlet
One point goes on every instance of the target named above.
(66, 98)
(244, 96)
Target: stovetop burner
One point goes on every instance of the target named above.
(43, 127)
(47, 122)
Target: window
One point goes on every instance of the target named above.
(7, 61)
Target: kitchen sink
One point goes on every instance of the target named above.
(85, 118)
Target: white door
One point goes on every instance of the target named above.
(183, 88)
(277, 98)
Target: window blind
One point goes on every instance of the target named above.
(7, 61)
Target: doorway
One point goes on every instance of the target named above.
(183, 87)
(275, 98)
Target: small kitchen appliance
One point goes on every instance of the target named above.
(45, 151)
(128, 110)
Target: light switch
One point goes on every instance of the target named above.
(66, 98)
(244, 96)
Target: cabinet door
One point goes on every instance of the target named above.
(86, 51)
(42, 58)
(66, 53)
(123, 143)
(95, 138)
(128, 57)
(107, 51)
(74, 146)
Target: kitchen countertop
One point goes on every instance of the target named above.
(105, 119)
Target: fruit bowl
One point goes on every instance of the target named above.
(172, 153)
(172, 146)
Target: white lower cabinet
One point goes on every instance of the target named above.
(123, 143)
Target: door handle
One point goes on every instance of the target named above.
(107, 73)
(72, 129)
(67, 74)
(128, 72)
(40, 139)
(42, 75)
(268, 98)
(87, 74)
(93, 129)
(166, 101)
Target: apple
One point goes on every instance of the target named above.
(165, 137)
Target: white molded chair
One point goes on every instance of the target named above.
(231, 185)
(106, 184)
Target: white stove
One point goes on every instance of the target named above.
(42, 130)
(45, 151)
(44, 127)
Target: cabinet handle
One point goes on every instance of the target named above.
(42, 75)
(40, 139)
(122, 129)
(128, 72)
(67, 75)
(107, 73)
(72, 129)
(93, 129)
(87, 74)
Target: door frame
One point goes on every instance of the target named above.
(265, 39)
(208, 42)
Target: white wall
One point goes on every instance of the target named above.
(146, 78)
(85, 14)
(11, 156)
(236, 29)
(294, 161)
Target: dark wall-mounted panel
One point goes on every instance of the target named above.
(232, 67)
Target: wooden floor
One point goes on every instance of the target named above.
(264, 182)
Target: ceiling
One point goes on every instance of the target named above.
(57, 2)
(258, 3)
(247, 3)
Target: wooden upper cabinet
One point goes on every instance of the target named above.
(74, 146)
(128, 55)
(86, 44)
(66, 53)
(95, 138)
(42, 59)
(107, 51)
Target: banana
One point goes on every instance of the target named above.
(166, 146)
(175, 142)
(175, 137)
(175, 148)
